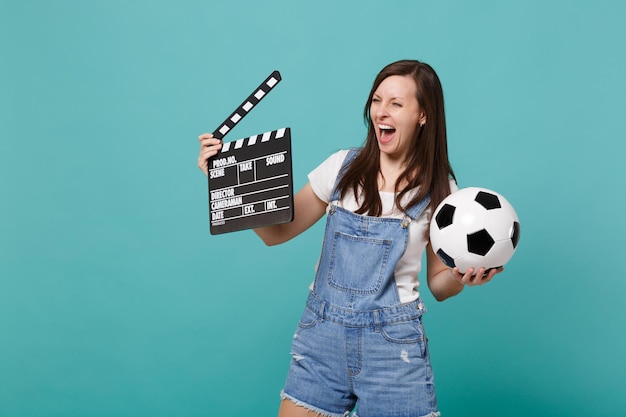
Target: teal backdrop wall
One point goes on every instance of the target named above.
(116, 301)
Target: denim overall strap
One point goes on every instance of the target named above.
(352, 153)
(416, 210)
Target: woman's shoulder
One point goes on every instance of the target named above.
(322, 178)
(454, 187)
(340, 155)
(334, 161)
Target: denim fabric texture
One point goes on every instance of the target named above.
(356, 344)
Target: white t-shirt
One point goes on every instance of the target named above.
(322, 181)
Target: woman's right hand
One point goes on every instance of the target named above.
(209, 146)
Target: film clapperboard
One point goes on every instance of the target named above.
(250, 179)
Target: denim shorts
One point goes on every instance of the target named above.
(377, 361)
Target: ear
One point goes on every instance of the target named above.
(422, 119)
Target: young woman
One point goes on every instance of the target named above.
(361, 339)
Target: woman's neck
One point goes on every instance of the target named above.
(390, 170)
(388, 176)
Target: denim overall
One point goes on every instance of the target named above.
(356, 343)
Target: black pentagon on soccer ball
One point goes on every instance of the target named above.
(488, 200)
(445, 258)
(480, 242)
(445, 216)
(515, 237)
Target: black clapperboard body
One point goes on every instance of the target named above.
(250, 179)
(250, 183)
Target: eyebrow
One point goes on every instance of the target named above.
(390, 98)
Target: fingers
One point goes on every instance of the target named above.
(205, 136)
(209, 147)
(207, 139)
(476, 276)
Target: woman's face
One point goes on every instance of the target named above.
(396, 115)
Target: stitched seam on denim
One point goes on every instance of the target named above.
(353, 371)
(323, 251)
(415, 211)
(350, 318)
(371, 219)
(412, 341)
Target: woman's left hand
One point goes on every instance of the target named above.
(476, 276)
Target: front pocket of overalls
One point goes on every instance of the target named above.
(406, 333)
(358, 263)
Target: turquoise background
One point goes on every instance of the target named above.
(116, 301)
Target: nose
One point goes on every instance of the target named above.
(380, 110)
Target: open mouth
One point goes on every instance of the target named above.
(386, 132)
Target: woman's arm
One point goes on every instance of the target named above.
(308, 209)
(445, 282)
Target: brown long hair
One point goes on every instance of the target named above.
(427, 165)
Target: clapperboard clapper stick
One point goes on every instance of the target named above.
(250, 179)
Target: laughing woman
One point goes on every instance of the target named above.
(360, 340)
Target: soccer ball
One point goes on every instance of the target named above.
(474, 227)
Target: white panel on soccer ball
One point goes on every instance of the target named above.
(470, 217)
(470, 260)
(461, 196)
(500, 253)
(499, 224)
(451, 239)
